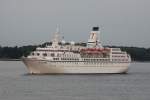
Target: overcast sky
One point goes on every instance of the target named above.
(124, 22)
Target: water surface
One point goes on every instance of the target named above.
(16, 84)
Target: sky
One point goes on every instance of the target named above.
(32, 22)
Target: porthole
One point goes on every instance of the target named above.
(33, 54)
(38, 54)
(44, 54)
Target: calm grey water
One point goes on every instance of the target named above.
(16, 84)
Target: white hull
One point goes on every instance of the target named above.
(46, 67)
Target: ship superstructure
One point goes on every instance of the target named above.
(62, 58)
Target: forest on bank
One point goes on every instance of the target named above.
(137, 53)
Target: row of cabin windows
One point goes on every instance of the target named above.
(81, 62)
(119, 59)
(55, 58)
(59, 55)
(38, 54)
(118, 53)
(44, 54)
(66, 59)
(67, 62)
(87, 63)
(75, 59)
(70, 59)
(53, 55)
(118, 56)
(96, 59)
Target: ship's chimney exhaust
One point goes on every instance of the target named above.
(95, 28)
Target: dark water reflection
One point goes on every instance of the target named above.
(16, 84)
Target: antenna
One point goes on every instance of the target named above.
(57, 29)
(56, 37)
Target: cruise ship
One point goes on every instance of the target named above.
(60, 58)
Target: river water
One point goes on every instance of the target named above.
(16, 84)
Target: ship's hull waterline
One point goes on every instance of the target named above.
(47, 67)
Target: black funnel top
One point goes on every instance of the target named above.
(95, 28)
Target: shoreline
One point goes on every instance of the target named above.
(10, 59)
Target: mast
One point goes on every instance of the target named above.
(55, 40)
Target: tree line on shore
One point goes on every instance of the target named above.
(137, 53)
